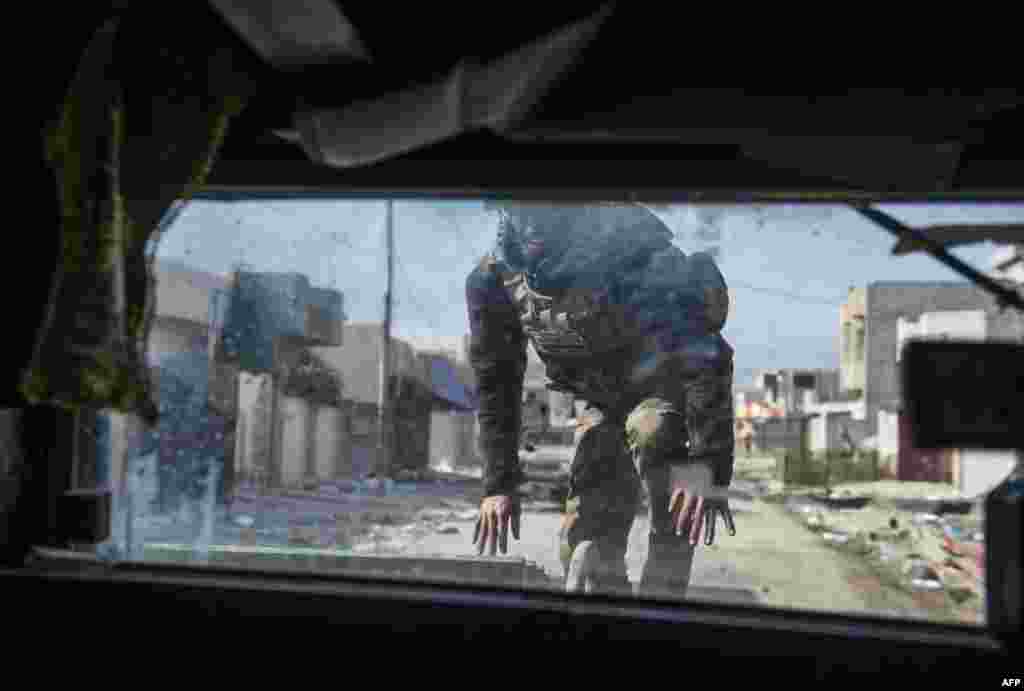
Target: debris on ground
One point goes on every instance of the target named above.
(934, 551)
(887, 553)
(835, 538)
(925, 519)
(921, 575)
(843, 500)
(816, 522)
(448, 529)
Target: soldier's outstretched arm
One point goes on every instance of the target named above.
(687, 301)
(497, 353)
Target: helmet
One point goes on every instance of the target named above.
(532, 232)
(572, 239)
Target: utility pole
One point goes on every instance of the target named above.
(384, 430)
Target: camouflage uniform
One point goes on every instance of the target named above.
(624, 320)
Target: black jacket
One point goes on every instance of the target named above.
(626, 251)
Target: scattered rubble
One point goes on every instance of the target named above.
(921, 575)
(836, 538)
(935, 551)
(887, 553)
(843, 500)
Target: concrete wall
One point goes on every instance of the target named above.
(184, 293)
(452, 442)
(817, 434)
(785, 395)
(295, 440)
(331, 444)
(358, 361)
(444, 442)
(888, 436)
(967, 325)
(886, 303)
(825, 432)
(980, 471)
(782, 434)
(254, 433)
(170, 336)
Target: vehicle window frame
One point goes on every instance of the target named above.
(215, 582)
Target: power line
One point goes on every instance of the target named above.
(792, 296)
(410, 294)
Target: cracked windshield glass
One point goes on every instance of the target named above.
(658, 401)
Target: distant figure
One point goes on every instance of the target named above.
(624, 320)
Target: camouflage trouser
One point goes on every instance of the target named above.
(622, 455)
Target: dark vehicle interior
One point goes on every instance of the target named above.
(567, 100)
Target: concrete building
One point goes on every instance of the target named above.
(852, 339)
(792, 391)
(888, 304)
(452, 445)
(265, 328)
(975, 471)
(876, 322)
(837, 426)
(358, 363)
(253, 438)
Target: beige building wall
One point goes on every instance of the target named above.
(852, 342)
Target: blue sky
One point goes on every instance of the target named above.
(788, 268)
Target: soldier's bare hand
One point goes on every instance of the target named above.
(696, 503)
(693, 510)
(497, 513)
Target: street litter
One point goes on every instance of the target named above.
(921, 574)
(244, 521)
(887, 552)
(836, 538)
(924, 584)
(888, 535)
(448, 530)
(845, 501)
(925, 519)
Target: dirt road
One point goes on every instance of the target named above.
(771, 560)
